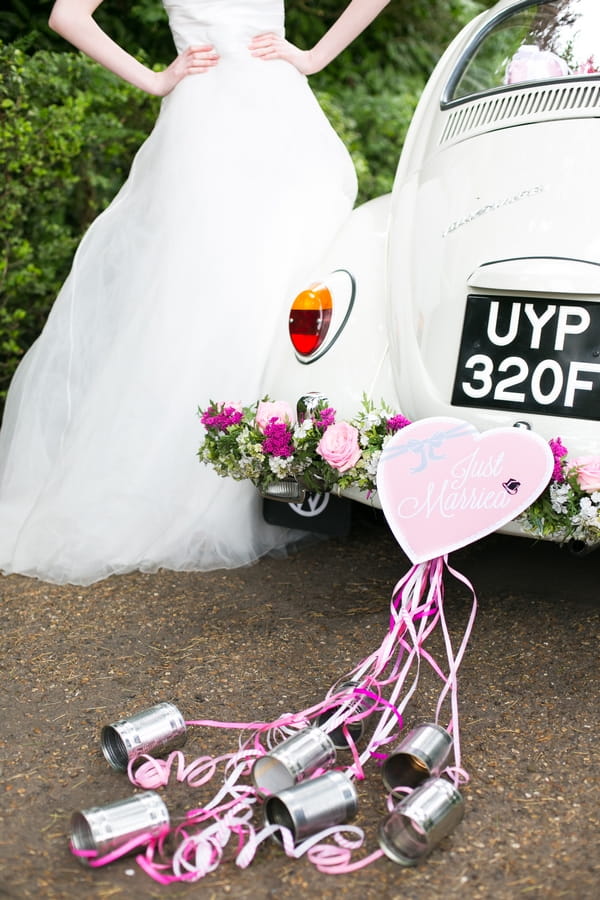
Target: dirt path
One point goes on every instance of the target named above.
(273, 637)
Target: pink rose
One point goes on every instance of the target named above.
(278, 410)
(587, 471)
(339, 446)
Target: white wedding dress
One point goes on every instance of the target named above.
(177, 293)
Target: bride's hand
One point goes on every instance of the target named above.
(193, 61)
(272, 46)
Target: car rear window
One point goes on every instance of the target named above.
(536, 42)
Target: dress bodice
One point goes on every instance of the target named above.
(226, 24)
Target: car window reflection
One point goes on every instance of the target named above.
(536, 43)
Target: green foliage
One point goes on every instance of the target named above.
(66, 143)
(565, 511)
(142, 23)
(374, 127)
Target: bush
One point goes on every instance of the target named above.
(377, 113)
(68, 131)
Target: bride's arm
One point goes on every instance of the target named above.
(73, 20)
(355, 18)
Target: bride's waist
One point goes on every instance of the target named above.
(226, 39)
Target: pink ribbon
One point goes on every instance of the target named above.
(393, 669)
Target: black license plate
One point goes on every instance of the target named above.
(540, 356)
(320, 513)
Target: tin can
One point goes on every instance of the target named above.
(103, 829)
(356, 705)
(421, 754)
(154, 731)
(420, 821)
(313, 805)
(293, 760)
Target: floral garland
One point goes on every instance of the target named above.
(569, 508)
(265, 443)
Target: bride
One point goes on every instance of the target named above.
(176, 294)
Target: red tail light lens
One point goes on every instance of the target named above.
(310, 317)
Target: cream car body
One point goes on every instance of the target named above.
(477, 280)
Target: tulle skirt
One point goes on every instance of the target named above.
(178, 293)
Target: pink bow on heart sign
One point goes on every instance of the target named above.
(442, 484)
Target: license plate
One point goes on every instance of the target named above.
(321, 513)
(540, 356)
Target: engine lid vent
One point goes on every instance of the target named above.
(538, 104)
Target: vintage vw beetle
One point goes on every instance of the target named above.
(473, 289)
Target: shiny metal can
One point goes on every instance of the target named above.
(420, 821)
(356, 704)
(421, 754)
(313, 805)
(154, 731)
(293, 760)
(103, 829)
(288, 490)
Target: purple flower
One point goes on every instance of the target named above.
(221, 417)
(278, 439)
(559, 452)
(325, 417)
(395, 423)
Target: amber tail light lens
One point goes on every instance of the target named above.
(310, 317)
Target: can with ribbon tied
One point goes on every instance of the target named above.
(154, 731)
(420, 821)
(313, 805)
(100, 830)
(293, 760)
(421, 754)
(356, 705)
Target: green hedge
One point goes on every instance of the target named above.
(68, 132)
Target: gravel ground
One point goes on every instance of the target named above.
(273, 637)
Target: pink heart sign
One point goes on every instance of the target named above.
(442, 484)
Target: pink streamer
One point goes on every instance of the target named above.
(200, 840)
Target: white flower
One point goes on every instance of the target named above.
(373, 462)
(589, 512)
(559, 495)
(281, 466)
(372, 418)
(303, 429)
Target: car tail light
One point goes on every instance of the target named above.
(310, 317)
